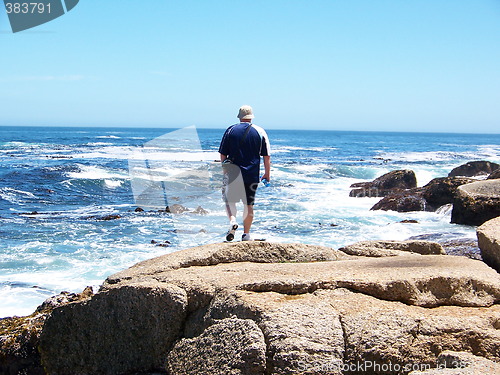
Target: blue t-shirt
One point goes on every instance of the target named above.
(247, 156)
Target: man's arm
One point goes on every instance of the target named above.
(222, 157)
(267, 168)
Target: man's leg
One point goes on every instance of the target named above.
(247, 218)
(233, 225)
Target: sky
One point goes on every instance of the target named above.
(368, 65)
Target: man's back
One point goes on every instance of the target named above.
(245, 151)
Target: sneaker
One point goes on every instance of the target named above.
(231, 231)
(246, 237)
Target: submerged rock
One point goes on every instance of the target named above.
(474, 168)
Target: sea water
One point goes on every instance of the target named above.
(68, 197)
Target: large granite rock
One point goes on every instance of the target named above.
(264, 308)
(488, 237)
(476, 203)
(474, 168)
(125, 330)
(388, 183)
(392, 248)
(229, 346)
(20, 336)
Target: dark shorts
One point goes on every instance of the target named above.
(236, 194)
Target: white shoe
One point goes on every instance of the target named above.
(246, 237)
(231, 231)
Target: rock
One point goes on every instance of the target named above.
(409, 221)
(494, 175)
(20, 336)
(440, 191)
(139, 209)
(385, 184)
(64, 298)
(474, 168)
(200, 211)
(176, 209)
(229, 346)
(453, 244)
(461, 363)
(118, 331)
(392, 248)
(436, 193)
(310, 309)
(476, 203)
(488, 236)
(403, 202)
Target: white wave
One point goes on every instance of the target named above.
(15, 196)
(108, 137)
(90, 172)
(113, 183)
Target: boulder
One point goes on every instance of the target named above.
(488, 236)
(383, 248)
(474, 168)
(20, 336)
(476, 203)
(385, 184)
(403, 202)
(438, 192)
(229, 346)
(494, 175)
(120, 331)
(268, 308)
(461, 363)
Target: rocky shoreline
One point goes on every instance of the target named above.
(374, 307)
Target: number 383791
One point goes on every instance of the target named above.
(25, 8)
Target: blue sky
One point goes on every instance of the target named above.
(427, 65)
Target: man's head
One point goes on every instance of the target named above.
(245, 113)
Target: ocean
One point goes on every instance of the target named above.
(69, 197)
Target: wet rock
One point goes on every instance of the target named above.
(383, 248)
(385, 184)
(176, 209)
(494, 175)
(139, 209)
(476, 203)
(200, 211)
(161, 244)
(402, 202)
(488, 236)
(409, 221)
(453, 244)
(440, 191)
(474, 169)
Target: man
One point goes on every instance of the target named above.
(243, 144)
